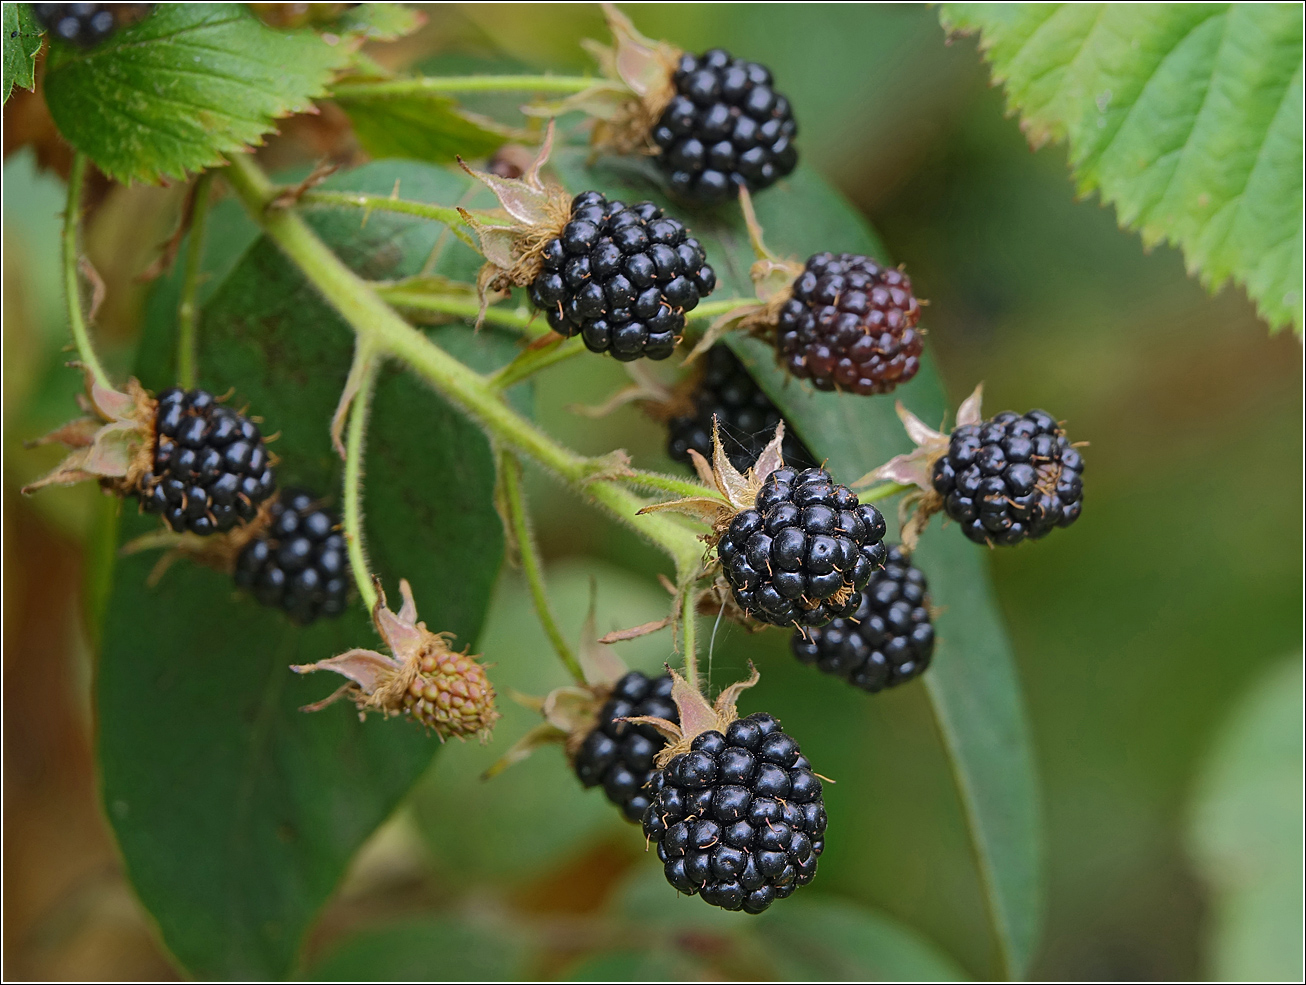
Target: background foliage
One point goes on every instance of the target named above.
(1134, 633)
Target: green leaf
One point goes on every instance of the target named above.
(422, 126)
(22, 41)
(1186, 117)
(972, 685)
(377, 21)
(424, 949)
(188, 85)
(1245, 833)
(235, 812)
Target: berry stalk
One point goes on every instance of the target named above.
(188, 311)
(385, 203)
(72, 286)
(519, 319)
(557, 84)
(353, 489)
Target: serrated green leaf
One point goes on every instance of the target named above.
(235, 812)
(972, 685)
(188, 85)
(1187, 118)
(22, 40)
(421, 126)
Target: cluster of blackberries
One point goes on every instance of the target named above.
(211, 469)
(1011, 478)
(887, 641)
(725, 127)
(618, 755)
(851, 325)
(804, 552)
(745, 415)
(623, 277)
(86, 24)
(739, 819)
(299, 562)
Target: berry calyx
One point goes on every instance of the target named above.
(298, 560)
(887, 641)
(422, 677)
(850, 324)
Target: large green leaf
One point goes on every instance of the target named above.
(1245, 833)
(236, 813)
(188, 85)
(972, 686)
(22, 40)
(424, 949)
(1187, 117)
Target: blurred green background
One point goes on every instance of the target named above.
(1156, 639)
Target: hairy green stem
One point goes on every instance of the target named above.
(715, 309)
(514, 502)
(883, 491)
(72, 285)
(520, 319)
(188, 311)
(368, 315)
(558, 84)
(353, 489)
(383, 203)
(688, 642)
(666, 483)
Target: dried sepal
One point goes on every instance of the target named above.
(422, 677)
(696, 715)
(113, 443)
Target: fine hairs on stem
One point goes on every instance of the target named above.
(71, 281)
(355, 441)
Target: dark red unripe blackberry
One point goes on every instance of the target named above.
(622, 277)
(211, 469)
(746, 416)
(84, 24)
(739, 819)
(850, 325)
(619, 755)
(1010, 478)
(299, 563)
(887, 641)
(725, 127)
(804, 552)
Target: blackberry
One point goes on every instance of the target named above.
(724, 127)
(804, 552)
(744, 413)
(622, 276)
(887, 641)
(739, 818)
(86, 24)
(851, 325)
(619, 755)
(299, 563)
(211, 469)
(1010, 478)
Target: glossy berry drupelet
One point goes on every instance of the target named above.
(623, 277)
(745, 414)
(1010, 478)
(299, 562)
(619, 755)
(211, 469)
(804, 552)
(887, 641)
(850, 325)
(725, 127)
(739, 819)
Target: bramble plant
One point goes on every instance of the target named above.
(634, 225)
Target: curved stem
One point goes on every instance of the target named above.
(715, 309)
(560, 84)
(383, 203)
(883, 491)
(533, 360)
(188, 311)
(688, 641)
(354, 443)
(403, 295)
(72, 285)
(515, 506)
(666, 483)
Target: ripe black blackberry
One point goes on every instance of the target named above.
(1010, 478)
(299, 563)
(619, 755)
(724, 127)
(887, 641)
(745, 414)
(622, 276)
(851, 325)
(86, 24)
(211, 469)
(739, 819)
(804, 552)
